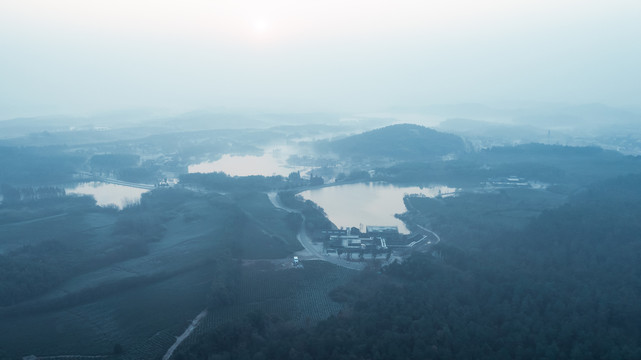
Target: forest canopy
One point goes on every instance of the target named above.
(566, 286)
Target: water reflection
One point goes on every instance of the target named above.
(109, 194)
(272, 162)
(368, 203)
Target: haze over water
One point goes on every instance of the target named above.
(272, 162)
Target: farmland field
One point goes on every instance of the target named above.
(298, 296)
(143, 320)
(136, 277)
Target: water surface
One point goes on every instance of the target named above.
(363, 204)
(105, 194)
(272, 162)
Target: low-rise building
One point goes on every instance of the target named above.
(382, 229)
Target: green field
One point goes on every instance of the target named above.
(298, 297)
(143, 320)
(99, 277)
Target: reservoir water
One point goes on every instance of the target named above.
(105, 194)
(356, 205)
(272, 162)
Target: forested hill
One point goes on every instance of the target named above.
(565, 287)
(553, 164)
(597, 232)
(397, 142)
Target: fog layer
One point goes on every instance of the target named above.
(73, 56)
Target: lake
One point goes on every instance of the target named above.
(106, 194)
(368, 203)
(272, 162)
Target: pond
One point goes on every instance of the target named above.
(106, 194)
(272, 162)
(363, 204)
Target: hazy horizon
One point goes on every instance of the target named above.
(297, 179)
(74, 57)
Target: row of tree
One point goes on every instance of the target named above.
(12, 194)
(219, 181)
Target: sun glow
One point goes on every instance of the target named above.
(261, 28)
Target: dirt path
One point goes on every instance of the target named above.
(34, 220)
(185, 335)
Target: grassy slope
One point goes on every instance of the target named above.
(142, 302)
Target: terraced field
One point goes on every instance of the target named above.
(139, 302)
(143, 321)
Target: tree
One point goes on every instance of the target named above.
(294, 177)
(316, 180)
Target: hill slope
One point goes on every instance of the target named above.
(397, 142)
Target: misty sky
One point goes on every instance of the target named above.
(75, 56)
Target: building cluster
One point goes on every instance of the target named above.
(375, 238)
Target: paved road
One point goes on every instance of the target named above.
(313, 250)
(429, 239)
(438, 238)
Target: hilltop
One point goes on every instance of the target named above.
(401, 142)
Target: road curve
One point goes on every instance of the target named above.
(438, 238)
(306, 241)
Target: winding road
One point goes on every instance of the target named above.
(313, 250)
(438, 238)
(312, 253)
(422, 245)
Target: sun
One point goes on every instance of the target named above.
(261, 27)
